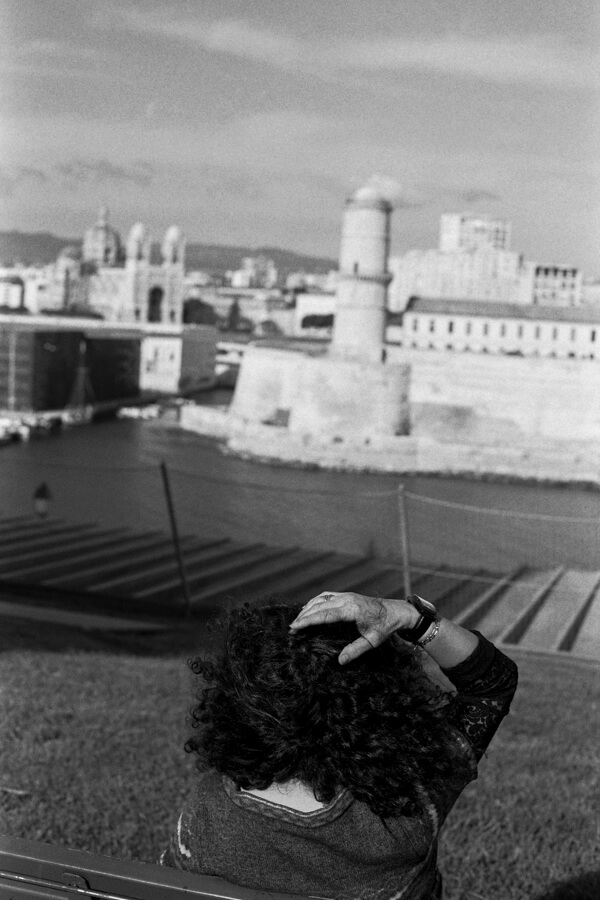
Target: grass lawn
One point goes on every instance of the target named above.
(91, 757)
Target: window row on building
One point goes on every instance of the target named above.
(498, 328)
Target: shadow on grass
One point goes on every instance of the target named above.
(582, 887)
(180, 638)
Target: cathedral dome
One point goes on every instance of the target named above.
(101, 243)
(70, 252)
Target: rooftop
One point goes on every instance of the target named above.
(493, 310)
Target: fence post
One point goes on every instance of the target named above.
(404, 541)
(175, 535)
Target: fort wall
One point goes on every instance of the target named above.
(485, 399)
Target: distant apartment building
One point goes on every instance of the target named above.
(311, 281)
(557, 285)
(25, 287)
(491, 275)
(473, 262)
(194, 282)
(12, 292)
(498, 328)
(590, 292)
(248, 309)
(465, 231)
(314, 314)
(43, 357)
(255, 272)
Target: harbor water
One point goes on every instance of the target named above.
(109, 473)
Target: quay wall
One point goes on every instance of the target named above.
(321, 394)
(469, 414)
(481, 398)
(532, 460)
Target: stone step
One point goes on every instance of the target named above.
(514, 630)
(291, 576)
(66, 545)
(546, 628)
(245, 560)
(355, 576)
(7, 522)
(118, 577)
(438, 586)
(511, 604)
(151, 554)
(386, 581)
(24, 525)
(326, 572)
(587, 636)
(117, 544)
(464, 593)
(31, 541)
(532, 609)
(195, 557)
(472, 612)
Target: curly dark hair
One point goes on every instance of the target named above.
(277, 705)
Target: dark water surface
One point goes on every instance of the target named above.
(109, 473)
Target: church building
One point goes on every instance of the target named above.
(123, 283)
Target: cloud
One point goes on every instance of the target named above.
(83, 172)
(13, 176)
(53, 49)
(235, 37)
(74, 174)
(531, 59)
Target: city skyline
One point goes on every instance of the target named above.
(250, 123)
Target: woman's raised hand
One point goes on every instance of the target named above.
(376, 619)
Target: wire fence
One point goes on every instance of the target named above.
(462, 526)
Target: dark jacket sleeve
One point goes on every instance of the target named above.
(485, 684)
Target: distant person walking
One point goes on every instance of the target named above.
(329, 757)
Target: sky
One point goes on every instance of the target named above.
(249, 122)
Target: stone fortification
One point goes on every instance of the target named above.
(338, 399)
(533, 459)
(350, 392)
(485, 399)
(364, 405)
(483, 416)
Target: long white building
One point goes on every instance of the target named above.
(498, 328)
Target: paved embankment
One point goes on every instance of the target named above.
(115, 579)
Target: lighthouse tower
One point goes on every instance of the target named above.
(359, 330)
(348, 394)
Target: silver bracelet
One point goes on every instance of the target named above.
(433, 630)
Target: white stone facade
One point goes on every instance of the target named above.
(557, 286)
(160, 363)
(123, 284)
(310, 305)
(494, 275)
(255, 272)
(430, 324)
(466, 231)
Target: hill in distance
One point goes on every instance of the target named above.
(41, 248)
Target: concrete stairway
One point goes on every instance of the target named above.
(116, 572)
